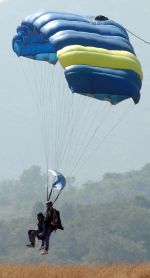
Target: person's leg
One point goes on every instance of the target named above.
(29, 235)
(32, 235)
(46, 242)
(47, 237)
(42, 242)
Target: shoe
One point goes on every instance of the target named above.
(44, 252)
(41, 248)
(30, 245)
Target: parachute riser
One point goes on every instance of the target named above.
(57, 196)
(50, 194)
(47, 182)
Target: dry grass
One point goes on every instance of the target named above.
(75, 271)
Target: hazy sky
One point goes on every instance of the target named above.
(126, 148)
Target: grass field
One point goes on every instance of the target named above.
(75, 271)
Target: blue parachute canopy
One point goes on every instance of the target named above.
(97, 56)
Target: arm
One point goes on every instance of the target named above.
(55, 218)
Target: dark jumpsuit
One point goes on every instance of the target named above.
(50, 216)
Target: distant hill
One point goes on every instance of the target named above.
(113, 187)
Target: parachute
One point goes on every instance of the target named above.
(96, 55)
(99, 63)
(57, 182)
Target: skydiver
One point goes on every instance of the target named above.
(51, 220)
(39, 233)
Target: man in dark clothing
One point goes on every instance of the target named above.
(39, 233)
(50, 225)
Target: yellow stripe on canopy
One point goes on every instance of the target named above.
(99, 57)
